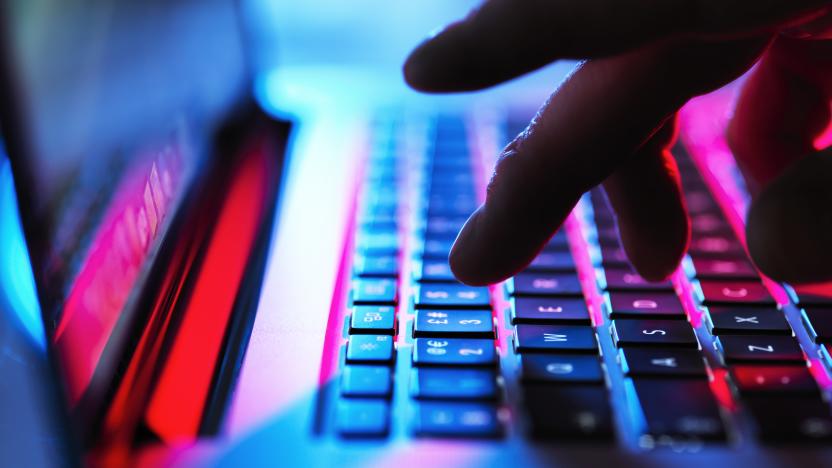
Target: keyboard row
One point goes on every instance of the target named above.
(455, 378)
(454, 375)
(766, 368)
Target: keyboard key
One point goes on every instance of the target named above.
(614, 257)
(568, 411)
(606, 233)
(452, 296)
(451, 179)
(709, 223)
(791, 419)
(378, 243)
(700, 201)
(625, 279)
(608, 237)
(774, 379)
(747, 321)
(378, 210)
(370, 348)
(453, 352)
(555, 338)
(456, 161)
(378, 224)
(728, 268)
(735, 292)
(454, 384)
(813, 295)
(366, 381)
(542, 284)
(645, 305)
(377, 320)
(438, 249)
(380, 194)
(544, 310)
(452, 419)
(660, 333)
(646, 362)
(558, 242)
(818, 323)
(362, 418)
(374, 220)
(374, 291)
(691, 179)
(759, 349)
(679, 409)
(599, 200)
(568, 369)
(449, 209)
(459, 205)
(553, 262)
(443, 226)
(454, 323)
(605, 220)
(717, 246)
(384, 266)
(435, 270)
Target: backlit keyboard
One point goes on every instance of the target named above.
(577, 346)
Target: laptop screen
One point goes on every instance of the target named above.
(109, 108)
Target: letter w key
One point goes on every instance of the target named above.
(543, 338)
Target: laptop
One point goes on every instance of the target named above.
(238, 255)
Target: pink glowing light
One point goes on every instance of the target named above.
(116, 256)
(702, 122)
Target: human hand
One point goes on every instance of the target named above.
(612, 122)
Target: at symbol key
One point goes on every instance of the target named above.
(453, 352)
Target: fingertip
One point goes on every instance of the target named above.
(464, 261)
(646, 195)
(472, 261)
(780, 245)
(656, 253)
(416, 68)
(435, 65)
(787, 224)
(762, 242)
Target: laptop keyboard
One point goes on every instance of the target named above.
(577, 346)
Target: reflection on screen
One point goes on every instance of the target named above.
(122, 242)
(117, 102)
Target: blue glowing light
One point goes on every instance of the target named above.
(18, 299)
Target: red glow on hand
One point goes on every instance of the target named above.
(824, 140)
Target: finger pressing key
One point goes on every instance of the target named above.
(646, 195)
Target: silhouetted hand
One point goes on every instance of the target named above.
(612, 122)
